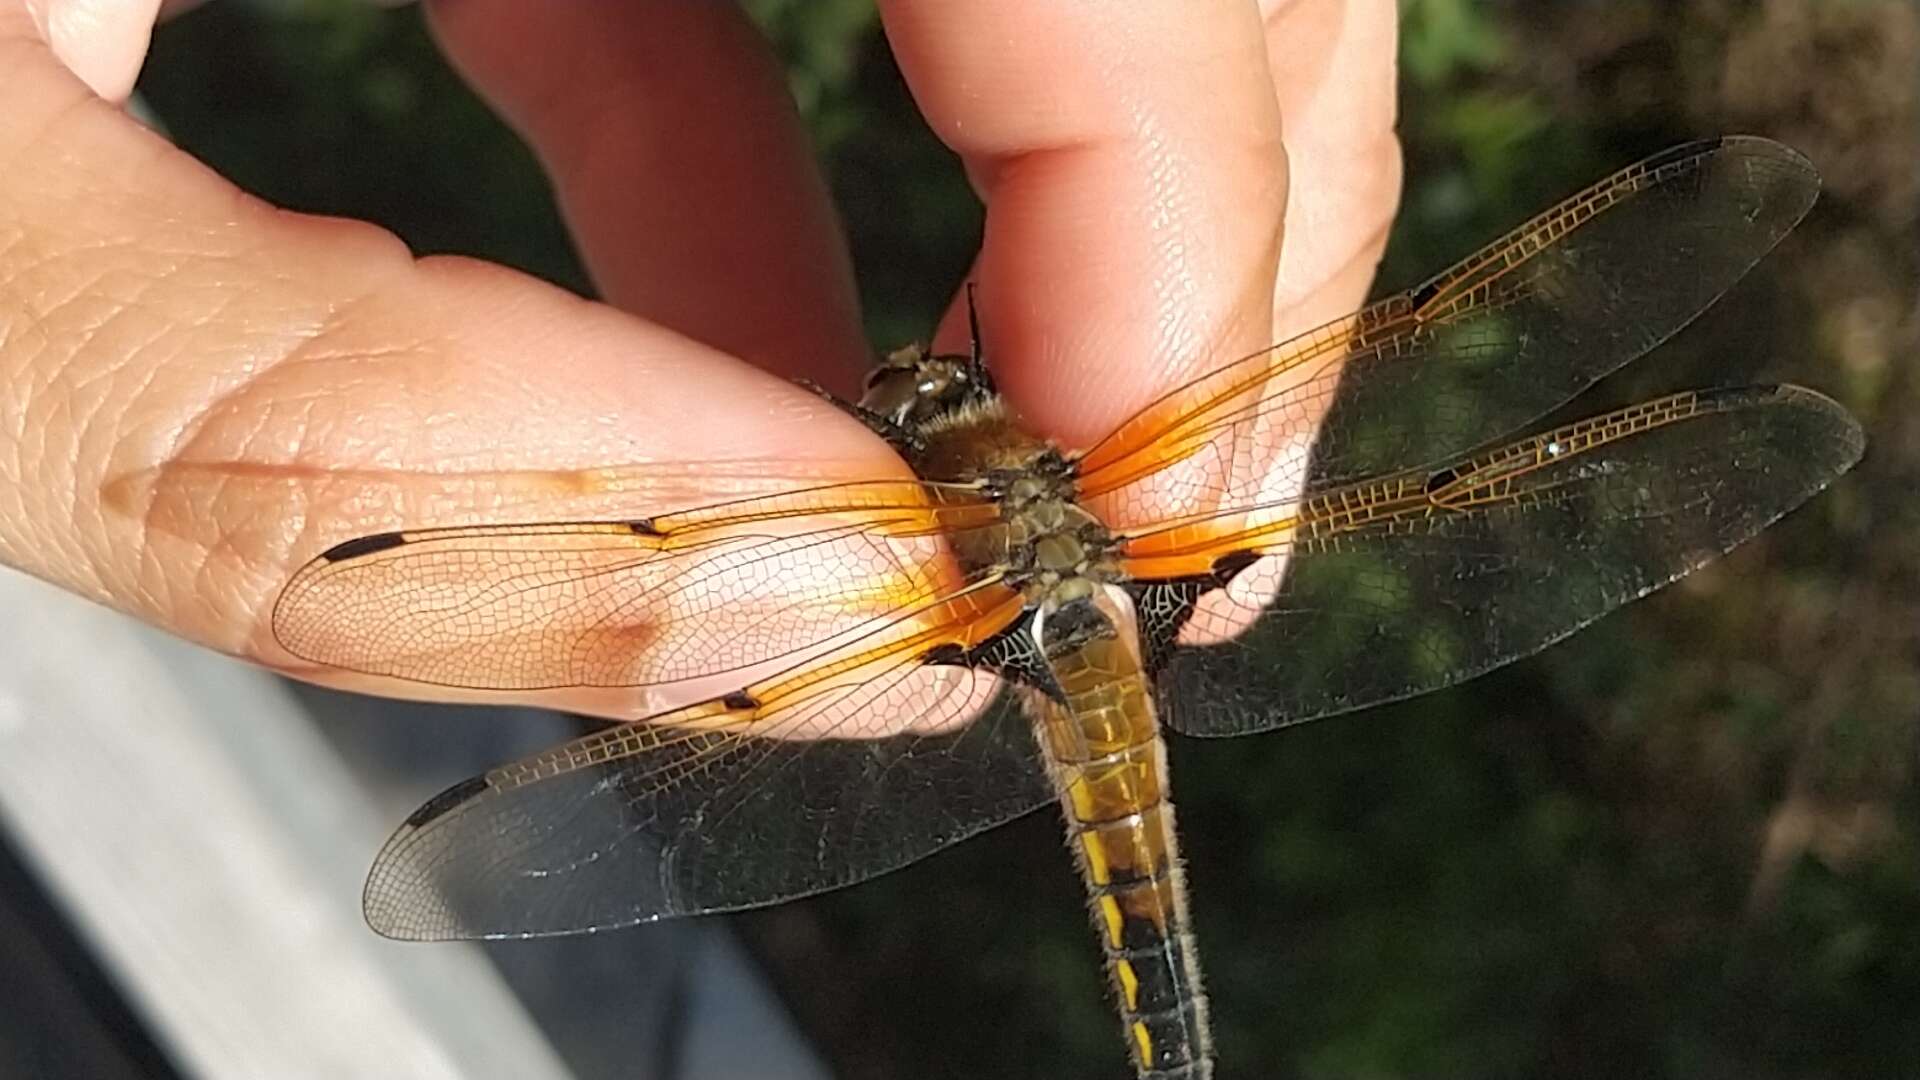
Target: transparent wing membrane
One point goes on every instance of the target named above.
(1405, 584)
(616, 604)
(645, 821)
(824, 776)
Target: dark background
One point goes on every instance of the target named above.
(1685, 843)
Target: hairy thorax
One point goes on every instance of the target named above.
(1047, 545)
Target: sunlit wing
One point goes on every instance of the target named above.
(1486, 347)
(712, 808)
(1427, 577)
(627, 603)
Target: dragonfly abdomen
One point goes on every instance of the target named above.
(1103, 745)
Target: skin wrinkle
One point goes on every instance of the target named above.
(211, 554)
(226, 304)
(1317, 61)
(1312, 109)
(1338, 292)
(65, 458)
(1373, 191)
(84, 397)
(193, 425)
(97, 402)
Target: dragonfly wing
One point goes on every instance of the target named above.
(625, 603)
(714, 807)
(1393, 587)
(1486, 347)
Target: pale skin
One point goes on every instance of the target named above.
(200, 392)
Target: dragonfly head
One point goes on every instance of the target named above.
(911, 387)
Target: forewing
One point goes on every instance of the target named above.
(711, 808)
(1484, 348)
(625, 603)
(1401, 585)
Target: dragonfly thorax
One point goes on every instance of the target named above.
(1046, 538)
(953, 432)
(1055, 550)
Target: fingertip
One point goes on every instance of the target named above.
(103, 42)
(1135, 179)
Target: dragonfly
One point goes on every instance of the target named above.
(880, 669)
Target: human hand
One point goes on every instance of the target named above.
(202, 392)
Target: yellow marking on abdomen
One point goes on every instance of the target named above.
(1129, 984)
(1110, 914)
(1143, 1043)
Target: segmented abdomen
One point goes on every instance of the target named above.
(1109, 763)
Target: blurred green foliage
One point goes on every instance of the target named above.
(1684, 844)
